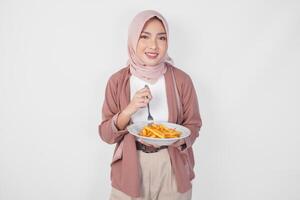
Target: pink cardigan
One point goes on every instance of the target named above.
(125, 171)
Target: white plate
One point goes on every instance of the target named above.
(135, 128)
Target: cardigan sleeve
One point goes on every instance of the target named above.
(191, 114)
(107, 129)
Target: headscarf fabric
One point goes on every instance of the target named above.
(137, 67)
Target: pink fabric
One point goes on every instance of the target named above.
(125, 169)
(137, 66)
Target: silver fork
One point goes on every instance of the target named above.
(150, 118)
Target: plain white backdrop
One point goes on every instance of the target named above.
(55, 59)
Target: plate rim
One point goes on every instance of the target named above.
(159, 139)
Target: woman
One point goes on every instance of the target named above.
(140, 170)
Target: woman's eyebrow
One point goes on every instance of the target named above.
(162, 33)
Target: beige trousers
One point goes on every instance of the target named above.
(158, 181)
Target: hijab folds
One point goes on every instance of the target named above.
(137, 67)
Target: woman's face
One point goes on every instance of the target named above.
(152, 44)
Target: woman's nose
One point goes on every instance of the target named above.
(153, 44)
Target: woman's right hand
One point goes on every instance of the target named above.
(140, 100)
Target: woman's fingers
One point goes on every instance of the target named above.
(145, 96)
(143, 103)
(178, 143)
(145, 92)
(142, 97)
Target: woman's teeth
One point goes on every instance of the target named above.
(152, 55)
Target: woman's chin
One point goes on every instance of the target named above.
(151, 62)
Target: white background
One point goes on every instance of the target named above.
(55, 59)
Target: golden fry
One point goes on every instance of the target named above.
(159, 131)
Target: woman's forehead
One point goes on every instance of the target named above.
(154, 24)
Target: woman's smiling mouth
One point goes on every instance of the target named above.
(151, 55)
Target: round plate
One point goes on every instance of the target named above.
(135, 129)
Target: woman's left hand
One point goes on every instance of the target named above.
(178, 143)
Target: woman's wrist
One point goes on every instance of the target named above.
(126, 112)
(123, 119)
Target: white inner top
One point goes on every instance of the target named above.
(158, 104)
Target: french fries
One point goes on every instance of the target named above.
(159, 131)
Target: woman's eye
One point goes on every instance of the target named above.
(144, 36)
(162, 38)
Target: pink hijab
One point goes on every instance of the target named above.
(137, 67)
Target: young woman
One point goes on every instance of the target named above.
(140, 170)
